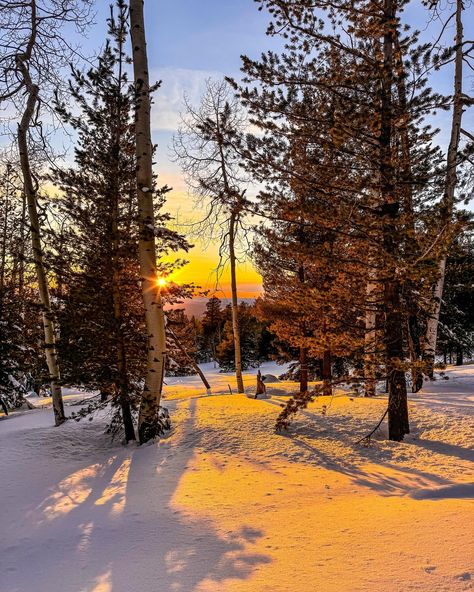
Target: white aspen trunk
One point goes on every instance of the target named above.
(235, 303)
(32, 93)
(5, 231)
(43, 288)
(370, 340)
(431, 335)
(154, 316)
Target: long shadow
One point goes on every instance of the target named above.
(113, 526)
(455, 491)
(391, 479)
(445, 448)
(182, 549)
(387, 481)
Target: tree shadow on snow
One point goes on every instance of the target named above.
(384, 477)
(112, 526)
(445, 449)
(329, 442)
(182, 550)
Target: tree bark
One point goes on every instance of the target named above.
(303, 369)
(235, 303)
(398, 424)
(327, 373)
(148, 424)
(447, 206)
(370, 340)
(32, 94)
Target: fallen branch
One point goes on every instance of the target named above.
(191, 360)
(366, 439)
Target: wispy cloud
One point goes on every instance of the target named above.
(177, 82)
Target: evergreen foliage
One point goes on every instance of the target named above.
(103, 343)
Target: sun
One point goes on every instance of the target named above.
(161, 282)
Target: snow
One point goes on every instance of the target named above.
(224, 504)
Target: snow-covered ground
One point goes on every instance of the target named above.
(224, 504)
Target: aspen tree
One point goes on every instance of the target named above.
(205, 146)
(148, 422)
(31, 65)
(459, 101)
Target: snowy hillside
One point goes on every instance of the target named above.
(224, 504)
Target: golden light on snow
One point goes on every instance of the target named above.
(114, 493)
(103, 583)
(70, 493)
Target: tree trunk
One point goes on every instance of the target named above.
(303, 369)
(121, 380)
(3, 257)
(122, 386)
(398, 424)
(415, 352)
(459, 356)
(32, 91)
(447, 206)
(327, 373)
(235, 303)
(370, 339)
(397, 392)
(261, 388)
(148, 422)
(21, 249)
(406, 189)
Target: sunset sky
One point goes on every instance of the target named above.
(188, 42)
(191, 41)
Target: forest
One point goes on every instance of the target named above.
(338, 163)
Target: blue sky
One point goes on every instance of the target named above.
(191, 40)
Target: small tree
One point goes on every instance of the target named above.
(206, 147)
(31, 64)
(250, 331)
(212, 324)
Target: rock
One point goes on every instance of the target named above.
(270, 378)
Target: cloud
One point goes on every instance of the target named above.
(168, 101)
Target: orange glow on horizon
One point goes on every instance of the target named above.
(203, 258)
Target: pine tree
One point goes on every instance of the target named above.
(456, 333)
(22, 367)
(181, 343)
(250, 331)
(103, 334)
(447, 206)
(212, 325)
(98, 205)
(342, 101)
